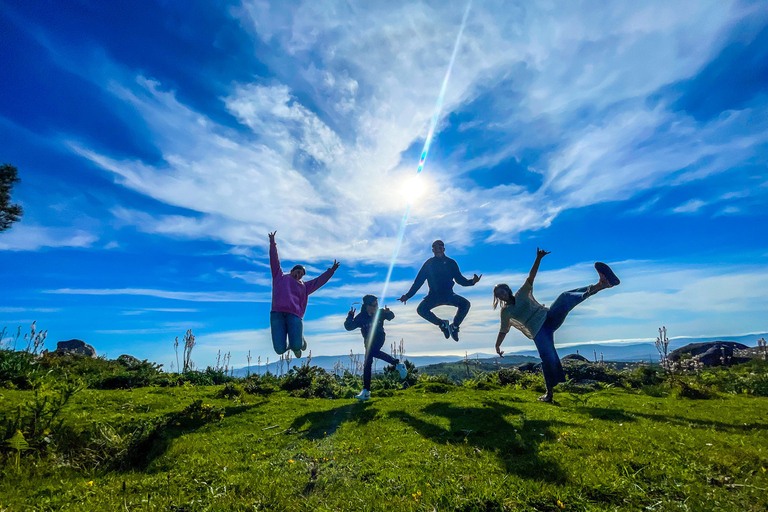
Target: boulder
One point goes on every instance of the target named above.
(709, 352)
(128, 361)
(575, 357)
(75, 347)
(529, 367)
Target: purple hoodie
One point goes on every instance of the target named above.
(288, 294)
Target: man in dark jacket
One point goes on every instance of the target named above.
(374, 341)
(440, 272)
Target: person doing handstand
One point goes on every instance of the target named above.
(522, 311)
(373, 341)
(440, 272)
(289, 301)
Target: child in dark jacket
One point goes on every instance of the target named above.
(374, 341)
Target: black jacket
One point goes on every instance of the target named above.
(363, 320)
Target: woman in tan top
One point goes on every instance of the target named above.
(521, 311)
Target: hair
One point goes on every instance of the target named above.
(368, 300)
(497, 300)
(299, 267)
(436, 242)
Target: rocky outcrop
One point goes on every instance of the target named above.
(712, 353)
(128, 361)
(575, 357)
(78, 347)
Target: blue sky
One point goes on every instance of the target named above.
(159, 142)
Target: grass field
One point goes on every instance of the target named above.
(417, 449)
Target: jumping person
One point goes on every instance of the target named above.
(373, 345)
(522, 311)
(289, 302)
(440, 272)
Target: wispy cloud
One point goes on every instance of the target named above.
(167, 294)
(28, 237)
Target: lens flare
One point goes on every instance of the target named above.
(422, 162)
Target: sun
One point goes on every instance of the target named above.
(413, 188)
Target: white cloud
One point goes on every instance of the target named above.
(29, 237)
(692, 206)
(166, 294)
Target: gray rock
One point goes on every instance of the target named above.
(575, 357)
(128, 361)
(529, 367)
(710, 353)
(75, 347)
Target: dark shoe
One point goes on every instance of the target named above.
(606, 272)
(455, 332)
(546, 398)
(445, 326)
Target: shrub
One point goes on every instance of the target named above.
(261, 385)
(589, 371)
(195, 378)
(17, 369)
(521, 380)
(644, 376)
(230, 390)
(694, 390)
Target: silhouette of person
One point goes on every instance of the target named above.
(289, 302)
(440, 272)
(521, 311)
(364, 321)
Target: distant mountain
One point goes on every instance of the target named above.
(611, 352)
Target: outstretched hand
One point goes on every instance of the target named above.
(540, 253)
(352, 311)
(272, 236)
(476, 278)
(403, 299)
(335, 265)
(499, 351)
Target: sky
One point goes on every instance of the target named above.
(158, 142)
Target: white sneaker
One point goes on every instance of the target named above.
(400, 367)
(364, 395)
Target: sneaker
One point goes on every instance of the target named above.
(400, 367)
(455, 332)
(606, 272)
(445, 326)
(364, 395)
(303, 343)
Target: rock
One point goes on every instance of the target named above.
(529, 367)
(710, 353)
(75, 347)
(575, 357)
(128, 361)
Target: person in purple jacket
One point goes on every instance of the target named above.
(289, 302)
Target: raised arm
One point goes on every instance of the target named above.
(274, 260)
(387, 314)
(540, 253)
(313, 284)
(420, 278)
(460, 279)
(349, 323)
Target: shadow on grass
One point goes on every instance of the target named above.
(485, 428)
(624, 417)
(323, 423)
(154, 438)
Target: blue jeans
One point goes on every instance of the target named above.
(545, 338)
(429, 302)
(286, 325)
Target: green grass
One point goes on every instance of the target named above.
(463, 450)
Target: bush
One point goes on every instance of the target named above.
(694, 390)
(195, 378)
(521, 380)
(590, 371)
(644, 376)
(261, 385)
(17, 369)
(230, 390)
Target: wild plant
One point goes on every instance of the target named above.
(248, 358)
(258, 365)
(189, 344)
(288, 357)
(176, 349)
(35, 339)
(662, 346)
(762, 344)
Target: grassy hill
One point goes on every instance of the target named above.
(431, 447)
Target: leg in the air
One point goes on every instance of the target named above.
(425, 311)
(279, 329)
(295, 333)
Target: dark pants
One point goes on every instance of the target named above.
(375, 351)
(545, 338)
(429, 303)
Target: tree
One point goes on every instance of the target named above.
(9, 213)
